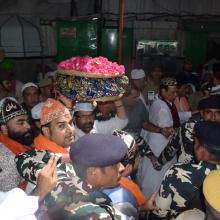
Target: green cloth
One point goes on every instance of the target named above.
(7, 65)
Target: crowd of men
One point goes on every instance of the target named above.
(146, 155)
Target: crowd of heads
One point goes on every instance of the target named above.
(101, 159)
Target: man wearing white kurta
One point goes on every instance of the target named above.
(85, 123)
(161, 115)
(138, 78)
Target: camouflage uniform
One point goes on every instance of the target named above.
(181, 189)
(181, 144)
(72, 198)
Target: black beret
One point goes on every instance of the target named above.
(98, 150)
(210, 102)
(208, 132)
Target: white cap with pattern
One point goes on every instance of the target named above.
(27, 85)
(137, 74)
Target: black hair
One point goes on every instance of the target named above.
(163, 87)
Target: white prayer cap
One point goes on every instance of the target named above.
(192, 214)
(36, 110)
(137, 74)
(83, 106)
(27, 85)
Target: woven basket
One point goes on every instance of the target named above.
(107, 98)
(93, 89)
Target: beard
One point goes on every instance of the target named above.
(87, 128)
(22, 138)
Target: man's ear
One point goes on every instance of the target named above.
(91, 171)
(204, 154)
(4, 130)
(46, 131)
(162, 91)
(91, 175)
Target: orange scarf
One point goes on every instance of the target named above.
(182, 104)
(43, 143)
(134, 189)
(12, 145)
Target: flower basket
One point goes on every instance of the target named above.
(96, 79)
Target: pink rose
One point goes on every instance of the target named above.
(99, 65)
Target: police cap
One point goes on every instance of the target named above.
(208, 132)
(98, 150)
(210, 102)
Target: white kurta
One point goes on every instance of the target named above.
(104, 127)
(148, 178)
(15, 204)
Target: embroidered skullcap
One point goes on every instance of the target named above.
(83, 106)
(137, 74)
(168, 81)
(208, 132)
(211, 189)
(10, 109)
(9, 97)
(210, 102)
(98, 150)
(36, 110)
(27, 85)
(52, 109)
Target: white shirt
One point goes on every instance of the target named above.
(104, 127)
(148, 178)
(16, 205)
(159, 115)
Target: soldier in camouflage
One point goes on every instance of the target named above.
(181, 143)
(96, 164)
(181, 187)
